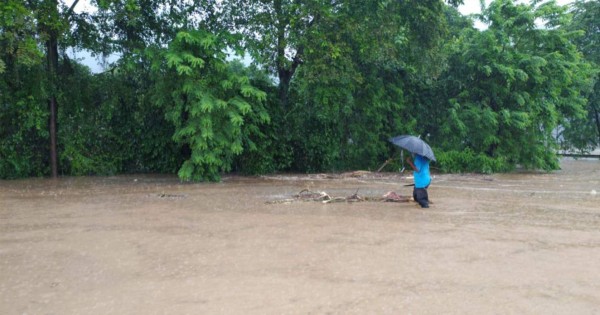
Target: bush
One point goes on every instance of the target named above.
(468, 161)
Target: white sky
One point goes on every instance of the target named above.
(469, 7)
(472, 6)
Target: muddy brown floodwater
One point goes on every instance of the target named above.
(490, 244)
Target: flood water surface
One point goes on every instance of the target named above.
(526, 243)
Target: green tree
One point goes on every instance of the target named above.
(23, 115)
(511, 85)
(100, 114)
(584, 133)
(132, 30)
(32, 32)
(340, 67)
(279, 34)
(209, 104)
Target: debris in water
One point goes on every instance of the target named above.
(169, 196)
(307, 195)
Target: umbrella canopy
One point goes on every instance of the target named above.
(414, 145)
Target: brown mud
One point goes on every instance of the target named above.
(526, 243)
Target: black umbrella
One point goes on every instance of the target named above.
(414, 145)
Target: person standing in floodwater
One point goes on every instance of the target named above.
(422, 179)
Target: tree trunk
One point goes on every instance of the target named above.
(284, 87)
(52, 128)
(597, 117)
(52, 60)
(285, 68)
(282, 72)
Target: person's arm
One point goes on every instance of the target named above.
(410, 162)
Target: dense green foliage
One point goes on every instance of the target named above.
(512, 85)
(454, 161)
(22, 116)
(330, 82)
(583, 133)
(214, 109)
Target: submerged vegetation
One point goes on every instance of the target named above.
(328, 83)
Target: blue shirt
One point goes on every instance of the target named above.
(422, 178)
